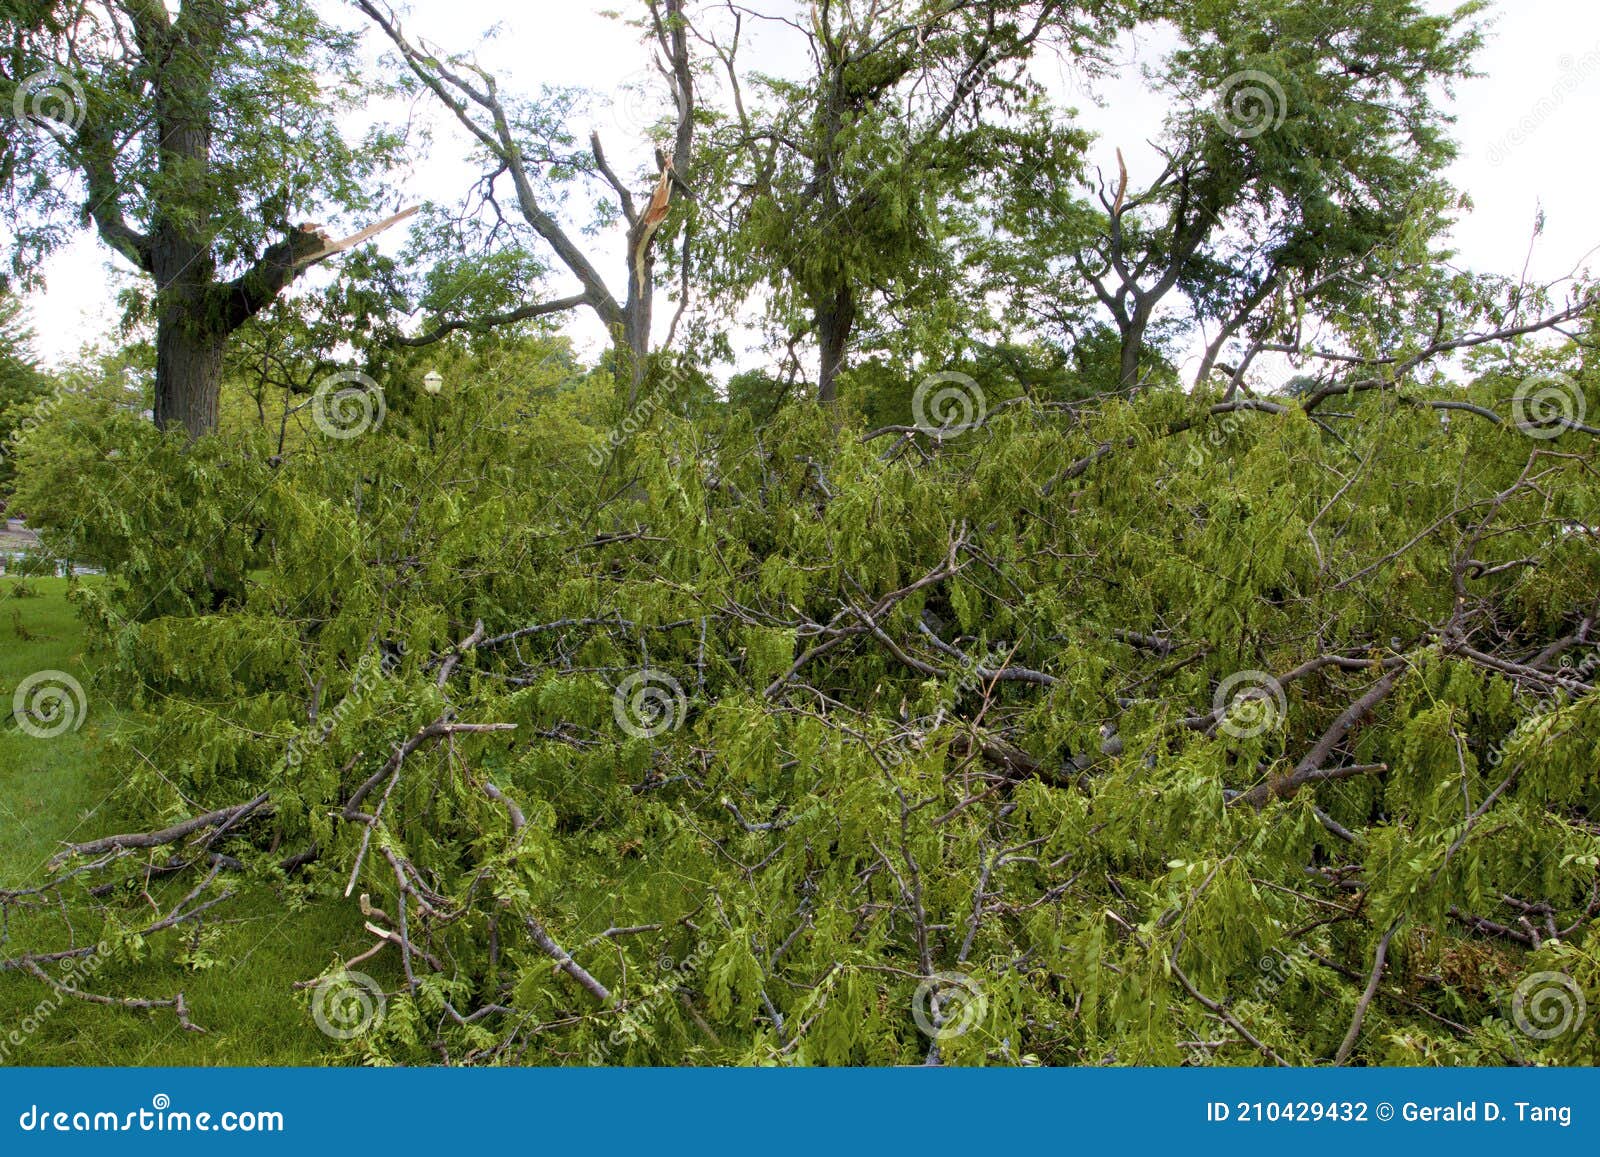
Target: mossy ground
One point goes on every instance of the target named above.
(257, 947)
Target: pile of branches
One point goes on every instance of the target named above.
(1029, 745)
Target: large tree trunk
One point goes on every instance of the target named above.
(190, 336)
(834, 324)
(1132, 344)
(636, 315)
(189, 340)
(1133, 334)
(188, 371)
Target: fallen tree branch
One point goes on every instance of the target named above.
(1220, 1010)
(221, 818)
(179, 1008)
(564, 961)
(1310, 769)
(1367, 994)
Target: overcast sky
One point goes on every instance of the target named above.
(1527, 129)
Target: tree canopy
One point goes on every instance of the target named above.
(201, 142)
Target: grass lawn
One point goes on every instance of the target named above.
(55, 789)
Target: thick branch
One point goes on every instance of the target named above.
(222, 817)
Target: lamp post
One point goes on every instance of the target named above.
(432, 383)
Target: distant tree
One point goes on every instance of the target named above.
(1300, 174)
(839, 186)
(759, 393)
(22, 383)
(528, 147)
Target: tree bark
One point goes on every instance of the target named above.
(189, 341)
(1132, 347)
(188, 372)
(636, 315)
(833, 324)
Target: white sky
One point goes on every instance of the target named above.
(1527, 129)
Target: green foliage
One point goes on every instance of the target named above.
(1300, 181)
(248, 1005)
(812, 830)
(112, 491)
(848, 185)
(22, 384)
(273, 78)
